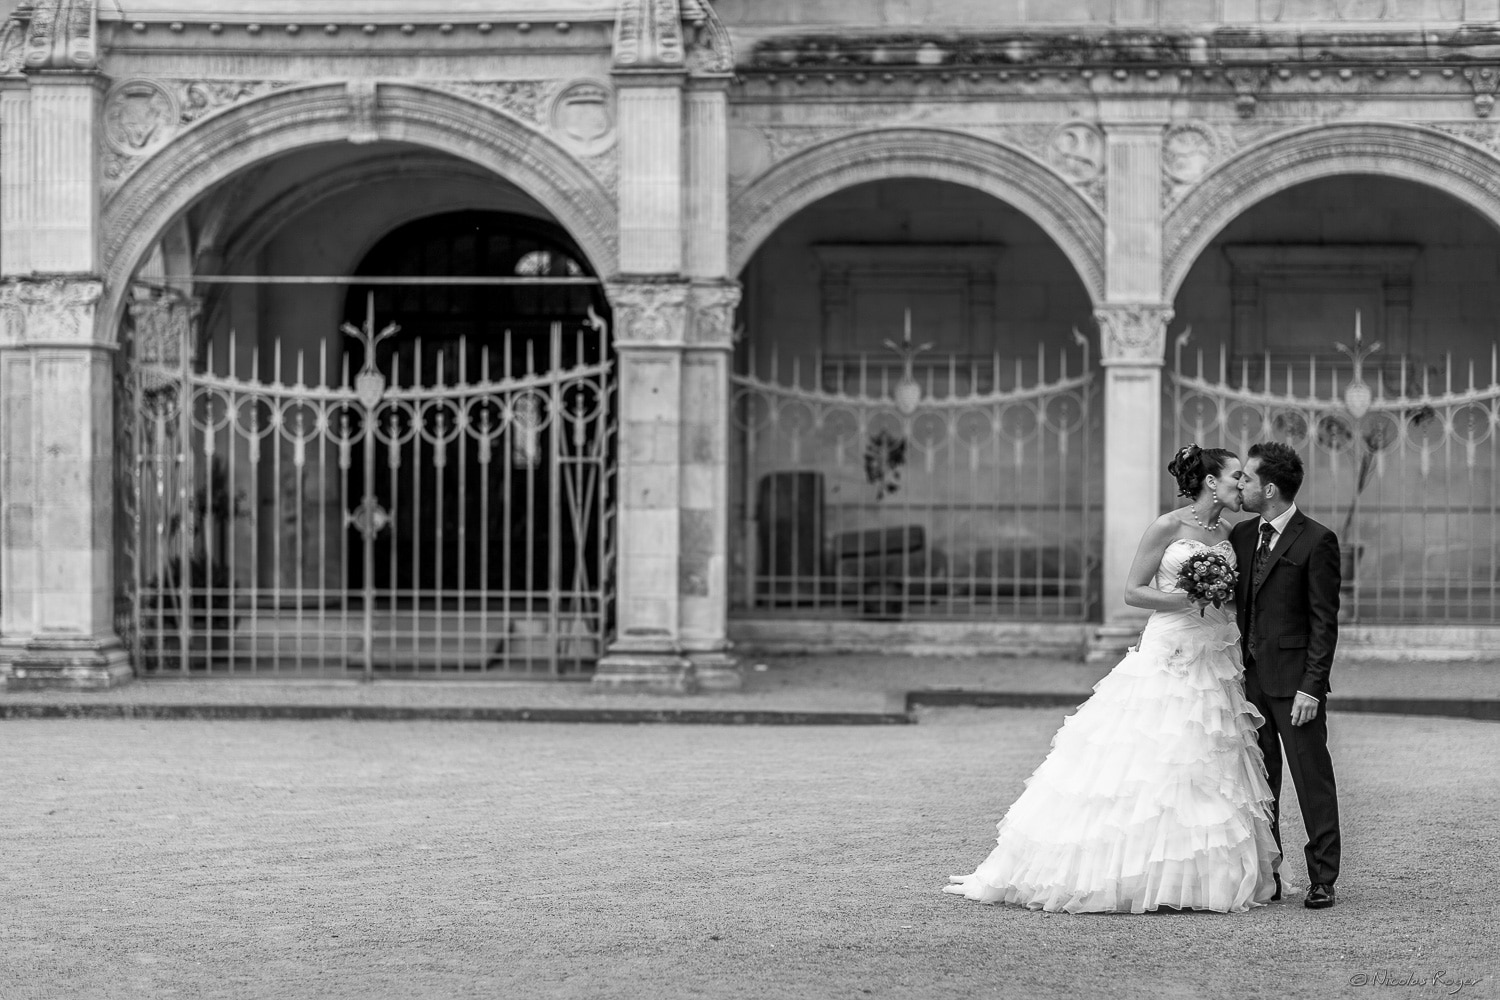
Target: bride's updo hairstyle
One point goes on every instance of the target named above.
(1192, 465)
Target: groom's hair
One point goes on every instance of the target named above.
(1280, 465)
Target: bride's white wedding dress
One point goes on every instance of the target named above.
(1154, 793)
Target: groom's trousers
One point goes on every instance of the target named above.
(1312, 775)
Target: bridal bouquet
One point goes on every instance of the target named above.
(1208, 577)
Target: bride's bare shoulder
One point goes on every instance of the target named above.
(1165, 528)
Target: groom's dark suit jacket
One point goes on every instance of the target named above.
(1296, 605)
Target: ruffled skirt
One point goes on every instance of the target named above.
(1154, 793)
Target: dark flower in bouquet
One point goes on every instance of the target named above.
(1208, 577)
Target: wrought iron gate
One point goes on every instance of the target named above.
(337, 518)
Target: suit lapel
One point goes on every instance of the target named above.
(1293, 529)
(1244, 552)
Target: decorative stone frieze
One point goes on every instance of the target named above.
(524, 100)
(141, 116)
(649, 314)
(200, 98)
(56, 310)
(1133, 333)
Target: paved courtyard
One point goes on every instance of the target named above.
(422, 859)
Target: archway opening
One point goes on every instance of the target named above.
(499, 527)
(1399, 450)
(369, 396)
(916, 429)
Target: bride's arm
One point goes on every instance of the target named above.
(1138, 590)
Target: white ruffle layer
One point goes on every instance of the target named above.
(1154, 793)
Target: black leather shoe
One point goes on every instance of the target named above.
(1319, 897)
(1276, 896)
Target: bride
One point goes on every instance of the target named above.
(1154, 794)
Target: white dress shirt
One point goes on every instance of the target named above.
(1277, 526)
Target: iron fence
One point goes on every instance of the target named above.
(917, 490)
(1402, 467)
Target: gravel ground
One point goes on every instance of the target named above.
(381, 859)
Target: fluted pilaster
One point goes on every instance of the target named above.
(64, 183)
(651, 176)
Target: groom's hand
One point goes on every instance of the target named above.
(1304, 708)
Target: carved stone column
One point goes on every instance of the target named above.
(1132, 333)
(650, 329)
(704, 556)
(1133, 339)
(57, 510)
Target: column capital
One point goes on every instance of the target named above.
(649, 313)
(1133, 333)
(713, 306)
(49, 310)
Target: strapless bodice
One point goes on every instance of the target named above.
(1176, 554)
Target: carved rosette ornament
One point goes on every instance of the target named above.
(1133, 333)
(713, 314)
(48, 311)
(582, 116)
(140, 116)
(649, 314)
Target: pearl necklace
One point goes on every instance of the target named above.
(1218, 519)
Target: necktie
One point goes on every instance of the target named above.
(1262, 552)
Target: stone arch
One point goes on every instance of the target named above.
(295, 118)
(1012, 176)
(1386, 149)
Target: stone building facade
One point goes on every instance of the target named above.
(1069, 202)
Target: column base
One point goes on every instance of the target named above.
(716, 669)
(56, 662)
(643, 663)
(1111, 640)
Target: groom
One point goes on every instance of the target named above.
(1287, 603)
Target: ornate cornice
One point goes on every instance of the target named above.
(1132, 333)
